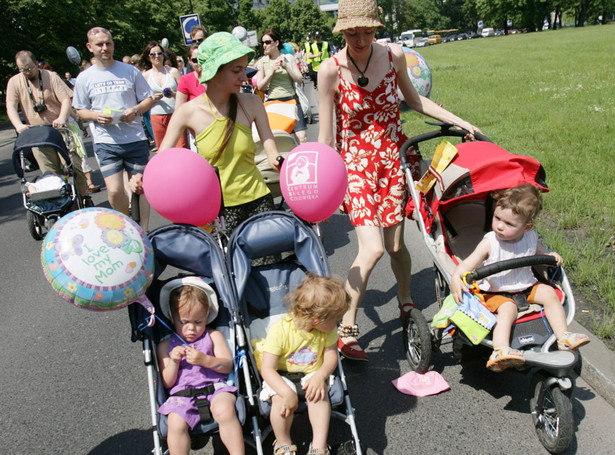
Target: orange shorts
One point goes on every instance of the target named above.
(493, 301)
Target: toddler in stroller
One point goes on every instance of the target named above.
(512, 236)
(261, 294)
(298, 357)
(194, 363)
(192, 259)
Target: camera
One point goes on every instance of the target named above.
(40, 107)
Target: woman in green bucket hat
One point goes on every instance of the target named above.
(221, 121)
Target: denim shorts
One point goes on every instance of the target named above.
(114, 158)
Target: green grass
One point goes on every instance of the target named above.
(549, 95)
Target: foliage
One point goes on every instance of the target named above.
(47, 27)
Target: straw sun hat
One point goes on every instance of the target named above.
(357, 13)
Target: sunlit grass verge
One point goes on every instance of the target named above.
(549, 95)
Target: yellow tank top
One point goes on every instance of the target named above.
(240, 179)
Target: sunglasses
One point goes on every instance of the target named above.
(194, 60)
(27, 69)
(155, 54)
(267, 42)
(199, 41)
(97, 30)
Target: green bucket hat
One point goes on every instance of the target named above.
(217, 50)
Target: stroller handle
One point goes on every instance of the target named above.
(509, 264)
(446, 130)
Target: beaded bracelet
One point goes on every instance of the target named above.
(348, 331)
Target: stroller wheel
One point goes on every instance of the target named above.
(552, 414)
(417, 340)
(34, 226)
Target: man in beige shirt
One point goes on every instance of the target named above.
(45, 100)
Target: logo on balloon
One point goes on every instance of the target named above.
(313, 181)
(301, 172)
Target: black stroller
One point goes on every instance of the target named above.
(260, 292)
(50, 196)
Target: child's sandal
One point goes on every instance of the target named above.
(288, 449)
(313, 451)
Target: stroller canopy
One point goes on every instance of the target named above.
(481, 167)
(39, 136)
(189, 249)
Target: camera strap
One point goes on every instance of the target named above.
(40, 86)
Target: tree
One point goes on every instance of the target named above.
(245, 15)
(307, 17)
(276, 16)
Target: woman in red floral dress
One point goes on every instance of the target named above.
(358, 93)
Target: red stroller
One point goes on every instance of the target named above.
(453, 216)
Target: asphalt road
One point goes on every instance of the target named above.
(73, 383)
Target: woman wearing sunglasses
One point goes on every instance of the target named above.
(163, 82)
(189, 86)
(277, 75)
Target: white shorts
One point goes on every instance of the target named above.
(267, 392)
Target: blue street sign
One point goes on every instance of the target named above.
(186, 23)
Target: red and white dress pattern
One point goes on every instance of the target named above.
(369, 134)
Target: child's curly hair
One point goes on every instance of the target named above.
(187, 296)
(317, 297)
(524, 200)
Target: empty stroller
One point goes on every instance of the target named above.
(196, 255)
(453, 217)
(49, 197)
(260, 292)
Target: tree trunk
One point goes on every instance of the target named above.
(583, 12)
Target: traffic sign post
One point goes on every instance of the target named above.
(186, 23)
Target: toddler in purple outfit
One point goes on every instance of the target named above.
(204, 359)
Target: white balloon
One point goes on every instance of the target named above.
(164, 43)
(240, 33)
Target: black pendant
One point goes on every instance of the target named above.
(363, 81)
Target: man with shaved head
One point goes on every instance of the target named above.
(113, 95)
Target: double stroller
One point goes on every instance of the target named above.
(249, 296)
(48, 197)
(452, 217)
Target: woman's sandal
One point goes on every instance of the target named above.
(405, 308)
(93, 188)
(350, 350)
(288, 449)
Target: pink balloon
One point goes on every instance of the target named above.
(313, 181)
(182, 186)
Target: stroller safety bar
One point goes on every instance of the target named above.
(510, 264)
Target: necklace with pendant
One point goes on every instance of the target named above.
(363, 81)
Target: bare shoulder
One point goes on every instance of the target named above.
(397, 51)
(249, 100)
(328, 66)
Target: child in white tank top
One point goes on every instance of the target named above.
(512, 236)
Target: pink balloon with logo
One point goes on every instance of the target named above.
(182, 186)
(313, 180)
